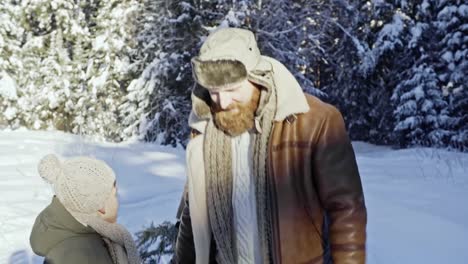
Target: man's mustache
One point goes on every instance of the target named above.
(217, 109)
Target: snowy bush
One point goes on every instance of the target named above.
(154, 242)
(69, 64)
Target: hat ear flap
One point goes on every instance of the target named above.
(201, 101)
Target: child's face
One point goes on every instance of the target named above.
(111, 207)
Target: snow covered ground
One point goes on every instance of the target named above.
(416, 198)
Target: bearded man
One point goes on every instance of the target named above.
(272, 175)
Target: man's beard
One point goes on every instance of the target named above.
(234, 123)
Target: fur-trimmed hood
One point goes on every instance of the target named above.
(231, 55)
(268, 73)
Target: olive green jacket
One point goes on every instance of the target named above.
(60, 238)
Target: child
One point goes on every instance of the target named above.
(79, 226)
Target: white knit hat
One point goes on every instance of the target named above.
(83, 184)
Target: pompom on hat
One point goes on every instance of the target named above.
(49, 168)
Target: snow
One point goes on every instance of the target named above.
(415, 197)
(10, 113)
(183, 17)
(425, 7)
(416, 33)
(418, 92)
(37, 124)
(150, 180)
(7, 87)
(463, 10)
(98, 82)
(232, 18)
(53, 100)
(36, 42)
(447, 12)
(377, 2)
(389, 36)
(185, 6)
(448, 56)
(100, 43)
(416, 204)
(455, 39)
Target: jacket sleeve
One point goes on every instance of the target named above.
(185, 249)
(340, 191)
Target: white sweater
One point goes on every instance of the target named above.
(244, 201)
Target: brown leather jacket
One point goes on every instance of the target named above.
(318, 212)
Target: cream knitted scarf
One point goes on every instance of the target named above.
(119, 241)
(218, 168)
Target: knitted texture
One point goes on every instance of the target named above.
(118, 236)
(116, 251)
(83, 185)
(244, 201)
(218, 167)
(219, 191)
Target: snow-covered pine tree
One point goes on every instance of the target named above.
(309, 49)
(459, 119)
(343, 51)
(45, 80)
(154, 242)
(434, 41)
(158, 101)
(452, 66)
(411, 105)
(349, 73)
(107, 74)
(402, 37)
(300, 49)
(71, 64)
(288, 32)
(136, 105)
(391, 23)
(161, 95)
(11, 36)
(419, 106)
